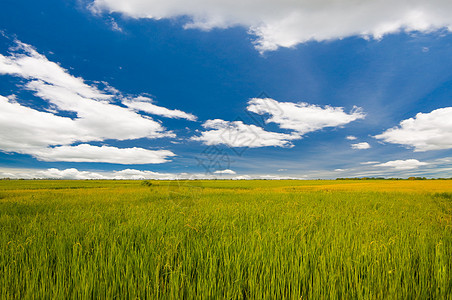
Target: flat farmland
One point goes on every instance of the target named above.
(359, 239)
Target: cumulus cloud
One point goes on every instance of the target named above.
(65, 174)
(127, 174)
(65, 92)
(302, 117)
(49, 136)
(28, 131)
(227, 171)
(351, 138)
(286, 23)
(424, 132)
(23, 129)
(73, 173)
(99, 120)
(105, 154)
(145, 104)
(361, 146)
(299, 118)
(407, 164)
(405, 168)
(238, 134)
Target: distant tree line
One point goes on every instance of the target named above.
(382, 178)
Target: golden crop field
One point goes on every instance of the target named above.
(363, 239)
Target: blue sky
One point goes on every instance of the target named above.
(163, 89)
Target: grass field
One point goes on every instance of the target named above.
(226, 239)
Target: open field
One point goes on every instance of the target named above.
(226, 239)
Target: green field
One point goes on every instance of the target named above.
(226, 239)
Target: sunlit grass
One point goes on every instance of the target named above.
(226, 239)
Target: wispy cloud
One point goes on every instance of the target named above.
(144, 104)
(114, 25)
(370, 163)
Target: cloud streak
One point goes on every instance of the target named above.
(144, 104)
(104, 154)
(227, 171)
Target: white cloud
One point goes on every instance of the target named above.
(302, 117)
(138, 175)
(286, 23)
(361, 146)
(105, 154)
(68, 93)
(238, 134)
(351, 138)
(407, 164)
(227, 171)
(370, 163)
(145, 104)
(424, 132)
(126, 174)
(73, 173)
(114, 25)
(27, 63)
(99, 120)
(23, 129)
(242, 177)
(65, 174)
(30, 131)
(441, 167)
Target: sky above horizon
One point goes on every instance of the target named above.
(219, 89)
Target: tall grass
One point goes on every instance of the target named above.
(221, 239)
